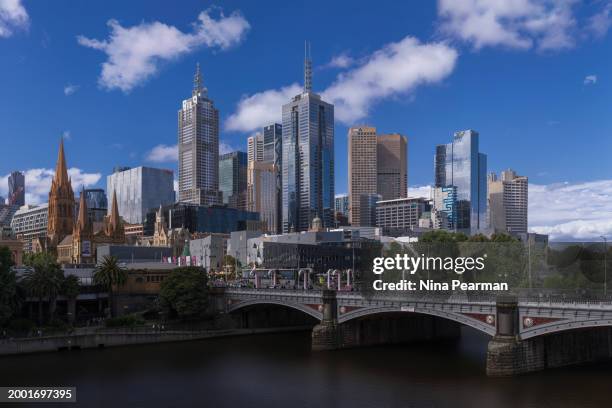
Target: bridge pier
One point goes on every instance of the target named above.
(508, 354)
(326, 335)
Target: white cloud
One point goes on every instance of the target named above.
(163, 153)
(255, 111)
(398, 68)
(590, 80)
(70, 89)
(521, 24)
(38, 183)
(340, 61)
(571, 210)
(13, 16)
(134, 53)
(600, 23)
(419, 191)
(66, 135)
(225, 148)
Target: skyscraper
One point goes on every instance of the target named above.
(460, 164)
(392, 176)
(262, 193)
(139, 190)
(255, 148)
(362, 169)
(508, 202)
(308, 158)
(233, 179)
(16, 192)
(198, 147)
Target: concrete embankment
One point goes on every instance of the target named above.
(101, 339)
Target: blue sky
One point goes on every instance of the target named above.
(533, 77)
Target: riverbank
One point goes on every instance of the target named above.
(117, 337)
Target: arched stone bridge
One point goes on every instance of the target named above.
(527, 335)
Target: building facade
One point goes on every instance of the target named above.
(233, 179)
(362, 169)
(198, 147)
(342, 204)
(508, 199)
(400, 216)
(29, 224)
(308, 159)
(444, 210)
(460, 164)
(97, 204)
(392, 166)
(16, 191)
(368, 205)
(139, 190)
(262, 193)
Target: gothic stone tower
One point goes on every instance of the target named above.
(61, 203)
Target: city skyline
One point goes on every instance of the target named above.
(529, 115)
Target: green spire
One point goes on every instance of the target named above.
(186, 249)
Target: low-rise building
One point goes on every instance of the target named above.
(400, 216)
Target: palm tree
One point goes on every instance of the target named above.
(109, 274)
(71, 289)
(43, 280)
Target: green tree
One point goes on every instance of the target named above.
(9, 292)
(229, 264)
(108, 274)
(43, 280)
(184, 293)
(71, 289)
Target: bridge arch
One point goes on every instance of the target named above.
(296, 306)
(563, 326)
(444, 314)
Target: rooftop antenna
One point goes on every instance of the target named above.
(307, 68)
(197, 81)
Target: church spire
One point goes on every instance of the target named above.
(61, 172)
(83, 220)
(114, 215)
(307, 68)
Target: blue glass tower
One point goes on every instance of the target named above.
(307, 159)
(460, 164)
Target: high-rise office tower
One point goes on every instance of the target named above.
(342, 204)
(16, 191)
(266, 147)
(233, 179)
(255, 147)
(198, 147)
(460, 164)
(140, 189)
(308, 158)
(262, 193)
(362, 169)
(392, 170)
(508, 202)
(97, 204)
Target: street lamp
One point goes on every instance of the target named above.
(605, 265)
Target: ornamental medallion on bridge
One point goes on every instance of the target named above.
(532, 321)
(347, 309)
(315, 306)
(483, 317)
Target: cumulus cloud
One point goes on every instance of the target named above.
(397, 68)
(66, 135)
(340, 61)
(163, 153)
(135, 53)
(521, 24)
(419, 191)
(38, 183)
(260, 109)
(600, 22)
(225, 148)
(70, 89)
(590, 80)
(571, 210)
(13, 16)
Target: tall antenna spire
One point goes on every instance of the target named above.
(197, 80)
(307, 68)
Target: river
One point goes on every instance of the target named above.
(279, 370)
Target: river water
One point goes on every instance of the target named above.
(279, 370)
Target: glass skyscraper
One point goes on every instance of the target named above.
(233, 179)
(16, 191)
(198, 147)
(308, 159)
(459, 164)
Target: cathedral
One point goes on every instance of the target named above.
(76, 242)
